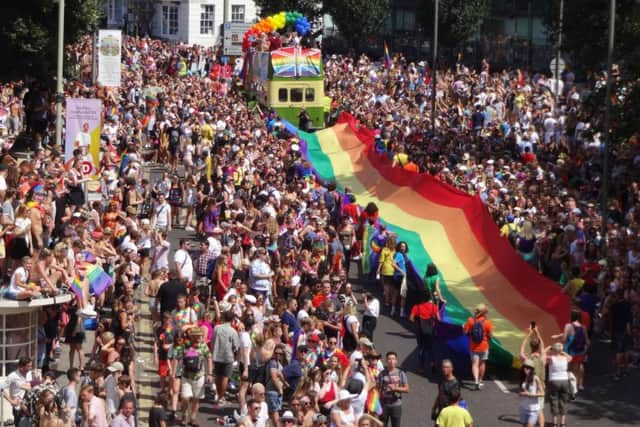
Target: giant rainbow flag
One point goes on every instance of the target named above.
(449, 228)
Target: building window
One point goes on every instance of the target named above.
(296, 95)
(111, 11)
(282, 95)
(207, 13)
(169, 20)
(237, 13)
(310, 95)
(405, 20)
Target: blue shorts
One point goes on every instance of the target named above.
(274, 401)
(528, 417)
(9, 294)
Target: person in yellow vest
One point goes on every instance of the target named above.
(238, 175)
(182, 68)
(401, 158)
(206, 131)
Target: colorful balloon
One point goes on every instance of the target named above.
(277, 22)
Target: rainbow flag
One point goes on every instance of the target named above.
(296, 62)
(99, 281)
(76, 287)
(373, 405)
(449, 228)
(387, 56)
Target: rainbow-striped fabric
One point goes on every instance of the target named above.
(449, 228)
(296, 62)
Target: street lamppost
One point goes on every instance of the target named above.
(434, 64)
(607, 118)
(59, 82)
(558, 47)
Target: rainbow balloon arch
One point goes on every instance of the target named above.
(276, 22)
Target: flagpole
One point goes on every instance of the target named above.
(434, 66)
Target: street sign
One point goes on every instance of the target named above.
(561, 66)
(233, 32)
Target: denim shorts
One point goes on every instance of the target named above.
(274, 401)
(482, 355)
(528, 417)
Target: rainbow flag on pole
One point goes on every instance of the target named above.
(387, 56)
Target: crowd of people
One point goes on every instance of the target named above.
(256, 304)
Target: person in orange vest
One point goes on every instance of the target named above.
(411, 167)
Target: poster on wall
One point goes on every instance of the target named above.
(109, 53)
(82, 131)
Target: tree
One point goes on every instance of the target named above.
(358, 19)
(585, 32)
(312, 9)
(459, 20)
(30, 38)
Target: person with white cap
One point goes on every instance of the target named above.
(480, 330)
(111, 387)
(558, 387)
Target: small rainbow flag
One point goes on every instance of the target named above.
(76, 287)
(387, 56)
(373, 404)
(99, 281)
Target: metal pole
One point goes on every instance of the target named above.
(558, 47)
(434, 65)
(59, 83)
(530, 34)
(607, 118)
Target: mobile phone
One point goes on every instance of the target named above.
(533, 324)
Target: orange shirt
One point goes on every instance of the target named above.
(488, 331)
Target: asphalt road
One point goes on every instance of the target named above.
(603, 403)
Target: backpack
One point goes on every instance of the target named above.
(477, 331)
(579, 342)
(427, 326)
(211, 265)
(192, 362)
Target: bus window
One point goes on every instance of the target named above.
(296, 95)
(282, 95)
(310, 95)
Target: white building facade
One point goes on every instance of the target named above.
(187, 21)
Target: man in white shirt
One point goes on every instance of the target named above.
(260, 273)
(215, 247)
(183, 263)
(160, 258)
(162, 215)
(19, 383)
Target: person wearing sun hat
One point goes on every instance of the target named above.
(342, 412)
(480, 330)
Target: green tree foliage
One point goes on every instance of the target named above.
(586, 28)
(312, 9)
(358, 19)
(459, 20)
(29, 33)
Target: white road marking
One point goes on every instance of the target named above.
(501, 386)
